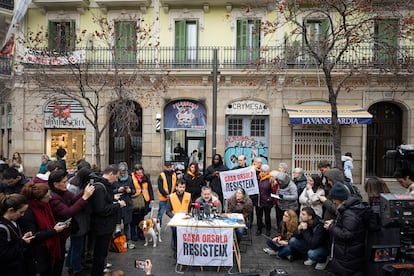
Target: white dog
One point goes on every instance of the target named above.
(151, 228)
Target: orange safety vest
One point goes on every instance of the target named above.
(141, 188)
(165, 186)
(180, 206)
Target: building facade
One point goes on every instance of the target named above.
(266, 100)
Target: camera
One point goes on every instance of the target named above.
(139, 264)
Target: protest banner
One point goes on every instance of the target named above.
(205, 246)
(244, 178)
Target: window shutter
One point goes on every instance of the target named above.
(242, 41)
(72, 35)
(52, 35)
(180, 41)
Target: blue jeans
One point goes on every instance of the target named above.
(239, 234)
(318, 254)
(162, 206)
(74, 257)
(282, 250)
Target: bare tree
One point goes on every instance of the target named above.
(119, 79)
(327, 32)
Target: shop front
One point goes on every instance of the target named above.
(247, 132)
(65, 128)
(185, 124)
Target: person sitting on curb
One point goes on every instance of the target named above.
(310, 239)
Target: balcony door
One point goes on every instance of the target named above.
(186, 41)
(386, 41)
(248, 41)
(125, 42)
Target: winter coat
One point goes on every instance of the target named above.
(315, 235)
(193, 185)
(105, 212)
(309, 198)
(288, 197)
(265, 189)
(245, 207)
(127, 211)
(37, 257)
(215, 182)
(11, 252)
(348, 238)
(66, 205)
(348, 167)
(300, 183)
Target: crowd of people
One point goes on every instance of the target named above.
(320, 218)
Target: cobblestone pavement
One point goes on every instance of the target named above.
(253, 258)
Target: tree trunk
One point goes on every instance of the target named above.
(97, 148)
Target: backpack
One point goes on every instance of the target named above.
(118, 243)
(2, 226)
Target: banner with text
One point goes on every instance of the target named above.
(244, 178)
(205, 246)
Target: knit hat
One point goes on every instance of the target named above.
(336, 175)
(338, 192)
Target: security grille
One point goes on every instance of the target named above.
(310, 147)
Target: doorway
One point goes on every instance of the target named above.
(125, 142)
(385, 133)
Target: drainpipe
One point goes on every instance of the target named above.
(364, 145)
(215, 76)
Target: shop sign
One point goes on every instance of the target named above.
(185, 114)
(247, 107)
(75, 120)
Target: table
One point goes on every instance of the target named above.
(207, 242)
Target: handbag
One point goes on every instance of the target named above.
(118, 243)
(138, 202)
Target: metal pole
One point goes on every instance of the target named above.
(215, 75)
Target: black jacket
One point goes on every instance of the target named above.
(193, 185)
(105, 211)
(11, 252)
(315, 235)
(215, 182)
(348, 238)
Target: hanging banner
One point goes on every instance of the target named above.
(205, 246)
(244, 178)
(38, 57)
(185, 114)
(18, 14)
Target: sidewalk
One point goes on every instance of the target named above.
(253, 258)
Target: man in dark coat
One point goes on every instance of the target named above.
(347, 232)
(105, 212)
(310, 239)
(13, 181)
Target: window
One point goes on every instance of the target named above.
(248, 41)
(186, 41)
(386, 41)
(235, 127)
(310, 147)
(316, 33)
(62, 35)
(125, 42)
(257, 127)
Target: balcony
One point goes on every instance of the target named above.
(229, 58)
(5, 64)
(205, 4)
(123, 3)
(7, 4)
(61, 4)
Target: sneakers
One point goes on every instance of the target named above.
(322, 266)
(108, 265)
(309, 262)
(269, 251)
(131, 246)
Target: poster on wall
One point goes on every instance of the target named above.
(185, 114)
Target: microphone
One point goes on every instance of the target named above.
(195, 205)
(216, 204)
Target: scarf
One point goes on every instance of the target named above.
(45, 221)
(193, 176)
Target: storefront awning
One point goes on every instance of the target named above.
(321, 114)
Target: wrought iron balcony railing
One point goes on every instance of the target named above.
(5, 65)
(228, 58)
(7, 4)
